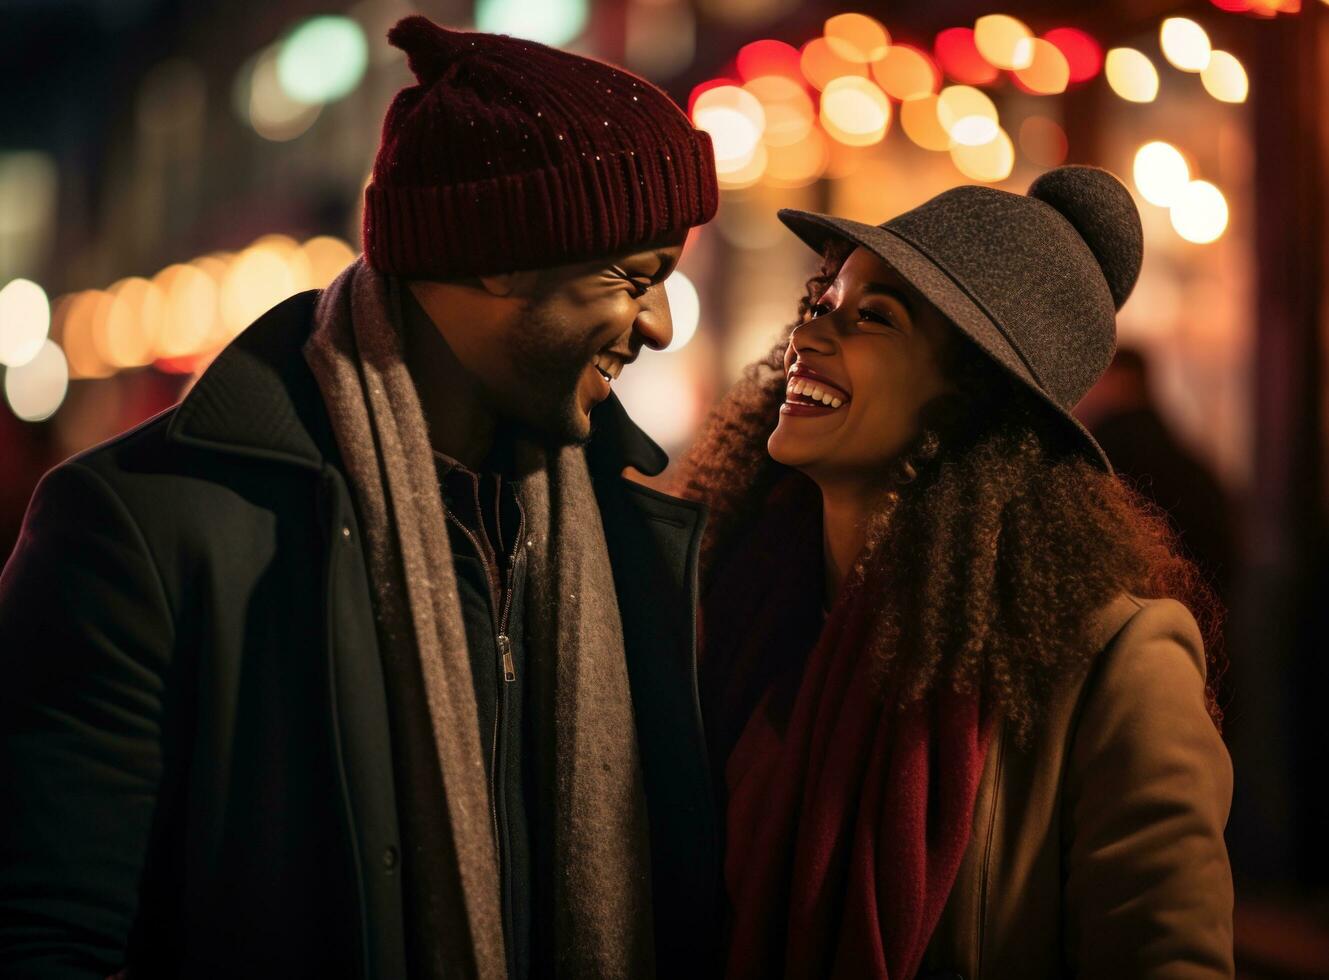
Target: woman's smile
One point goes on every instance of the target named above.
(809, 392)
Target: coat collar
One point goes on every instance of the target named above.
(259, 399)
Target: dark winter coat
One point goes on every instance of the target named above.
(194, 750)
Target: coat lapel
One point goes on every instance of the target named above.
(258, 398)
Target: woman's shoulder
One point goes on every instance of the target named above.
(1130, 629)
(1144, 696)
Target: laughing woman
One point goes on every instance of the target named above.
(954, 671)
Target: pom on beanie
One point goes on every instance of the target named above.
(1102, 210)
(429, 49)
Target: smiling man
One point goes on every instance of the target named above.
(366, 660)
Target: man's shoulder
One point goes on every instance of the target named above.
(253, 385)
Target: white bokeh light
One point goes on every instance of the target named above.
(660, 394)
(684, 309)
(36, 389)
(1200, 212)
(25, 320)
(1161, 172)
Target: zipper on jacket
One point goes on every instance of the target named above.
(509, 668)
(509, 665)
(505, 645)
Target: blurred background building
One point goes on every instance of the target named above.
(171, 169)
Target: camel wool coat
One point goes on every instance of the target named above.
(1097, 851)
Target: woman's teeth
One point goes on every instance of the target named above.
(810, 389)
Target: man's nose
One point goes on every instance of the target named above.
(655, 323)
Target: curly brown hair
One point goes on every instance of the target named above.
(990, 562)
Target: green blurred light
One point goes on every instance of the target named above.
(552, 22)
(322, 60)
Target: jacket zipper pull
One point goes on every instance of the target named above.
(509, 665)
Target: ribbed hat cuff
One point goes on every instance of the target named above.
(596, 205)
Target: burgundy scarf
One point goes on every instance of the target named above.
(846, 820)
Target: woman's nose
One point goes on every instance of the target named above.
(813, 335)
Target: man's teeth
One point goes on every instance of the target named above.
(810, 389)
(609, 369)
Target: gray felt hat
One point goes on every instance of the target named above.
(1035, 280)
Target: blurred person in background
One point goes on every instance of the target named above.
(1123, 415)
(335, 668)
(954, 671)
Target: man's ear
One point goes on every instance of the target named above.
(505, 284)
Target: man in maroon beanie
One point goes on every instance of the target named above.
(366, 660)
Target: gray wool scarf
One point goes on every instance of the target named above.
(589, 766)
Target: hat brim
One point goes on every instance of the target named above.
(946, 294)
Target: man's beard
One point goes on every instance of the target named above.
(548, 361)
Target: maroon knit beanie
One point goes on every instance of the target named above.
(512, 155)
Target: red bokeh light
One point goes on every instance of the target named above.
(1082, 52)
(768, 58)
(1234, 6)
(959, 58)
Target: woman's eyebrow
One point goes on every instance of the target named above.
(886, 289)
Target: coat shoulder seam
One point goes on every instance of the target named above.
(163, 597)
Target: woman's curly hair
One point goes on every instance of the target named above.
(992, 546)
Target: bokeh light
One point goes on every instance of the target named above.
(767, 57)
(324, 257)
(1161, 172)
(322, 60)
(1043, 141)
(272, 113)
(905, 71)
(25, 321)
(919, 120)
(697, 92)
(967, 115)
(990, 162)
(788, 109)
(216, 267)
(749, 173)
(1131, 75)
(798, 164)
(553, 22)
(684, 310)
(1200, 212)
(1048, 73)
(854, 111)
(857, 38)
(1084, 57)
(259, 278)
(1004, 41)
(959, 57)
(1185, 43)
(662, 398)
(735, 120)
(821, 65)
(78, 321)
(127, 337)
(35, 390)
(190, 309)
(1225, 78)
